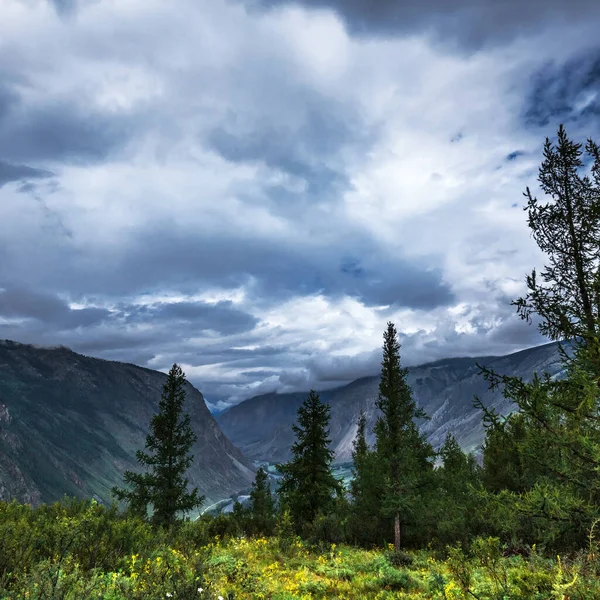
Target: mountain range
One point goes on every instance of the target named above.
(70, 424)
(261, 426)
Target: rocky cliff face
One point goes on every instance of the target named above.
(70, 424)
(261, 426)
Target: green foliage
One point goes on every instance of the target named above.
(504, 465)
(360, 455)
(86, 530)
(404, 457)
(399, 558)
(262, 506)
(567, 230)
(164, 485)
(52, 561)
(458, 510)
(285, 529)
(331, 527)
(367, 523)
(308, 486)
(224, 526)
(544, 459)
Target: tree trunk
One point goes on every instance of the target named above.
(397, 532)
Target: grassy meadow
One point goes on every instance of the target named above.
(77, 550)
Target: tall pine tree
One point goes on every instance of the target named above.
(164, 485)
(308, 486)
(402, 451)
(558, 431)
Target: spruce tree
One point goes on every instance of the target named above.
(366, 490)
(262, 507)
(308, 486)
(458, 485)
(402, 450)
(164, 485)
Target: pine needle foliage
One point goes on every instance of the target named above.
(308, 486)
(163, 486)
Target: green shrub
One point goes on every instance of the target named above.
(399, 558)
(393, 579)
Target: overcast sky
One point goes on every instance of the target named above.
(254, 188)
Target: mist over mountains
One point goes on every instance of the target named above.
(261, 426)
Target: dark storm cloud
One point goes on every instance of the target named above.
(280, 150)
(10, 172)
(274, 271)
(307, 146)
(222, 317)
(405, 285)
(61, 131)
(22, 303)
(516, 332)
(56, 128)
(278, 271)
(470, 23)
(132, 332)
(259, 373)
(566, 92)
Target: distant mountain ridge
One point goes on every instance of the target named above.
(261, 426)
(71, 424)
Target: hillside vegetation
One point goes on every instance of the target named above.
(80, 550)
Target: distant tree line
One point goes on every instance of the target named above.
(537, 481)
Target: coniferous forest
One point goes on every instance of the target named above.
(520, 520)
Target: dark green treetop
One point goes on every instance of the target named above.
(262, 510)
(164, 486)
(308, 486)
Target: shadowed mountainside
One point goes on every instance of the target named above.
(70, 424)
(261, 426)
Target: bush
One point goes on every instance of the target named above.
(399, 558)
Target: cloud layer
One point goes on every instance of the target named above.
(253, 189)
